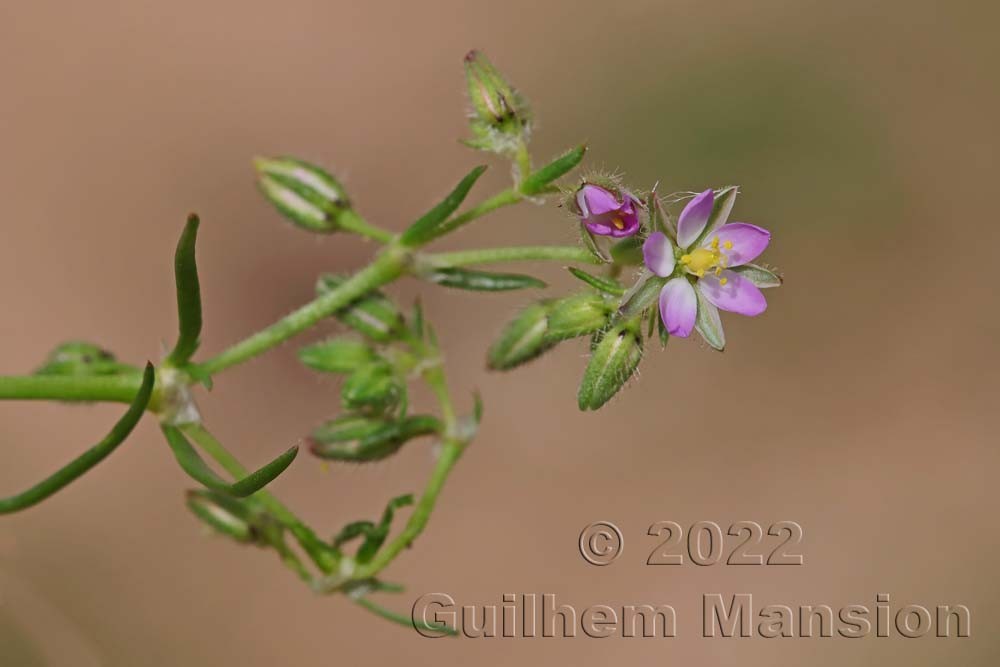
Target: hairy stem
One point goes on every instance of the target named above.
(513, 254)
(388, 266)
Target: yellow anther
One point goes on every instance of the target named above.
(618, 222)
(728, 245)
(685, 259)
(723, 281)
(715, 243)
(718, 272)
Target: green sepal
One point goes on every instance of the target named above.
(373, 315)
(80, 358)
(482, 281)
(522, 339)
(188, 295)
(658, 218)
(192, 463)
(373, 388)
(724, 200)
(642, 295)
(709, 324)
(590, 243)
(761, 277)
(612, 363)
(540, 180)
(628, 251)
(90, 458)
(337, 355)
(606, 285)
(432, 224)
(577, 315)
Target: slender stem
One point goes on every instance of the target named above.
(387, 267)
(513, 254)
(451, 450)
(505, 198)
(115, 388)
(352, 222)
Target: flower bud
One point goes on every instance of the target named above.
(614, 360)
(358, 438)
(224, 514)
(337, 355)
(304, 193)
(373, 315)
(81, 358)
(499, 112)
(578, 315)
(373, 388)
(522, 339)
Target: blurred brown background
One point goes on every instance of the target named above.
(862, 405)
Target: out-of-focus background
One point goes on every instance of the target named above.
(861, 405)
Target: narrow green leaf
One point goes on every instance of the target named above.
(536, 183)
(89, 458)
(431, 225)
(709, 324)
(759, 276)
(195, 466)
(188, 295)
(606, 285)
(375, 537)
(482, 281)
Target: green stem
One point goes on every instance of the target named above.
(505, 198)
(513, 254)
(352, 222)
(115, 388)
(388, 266)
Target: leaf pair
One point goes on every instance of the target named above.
(195, 466)
(91, 457)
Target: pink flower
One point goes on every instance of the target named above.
(603, 214)
(705, 266)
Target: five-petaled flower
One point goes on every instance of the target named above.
(606, 214)
(706, 266)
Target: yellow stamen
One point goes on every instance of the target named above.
(723, 281)
(715, 243)
(618, 222)
(728, 245)
(718, 271)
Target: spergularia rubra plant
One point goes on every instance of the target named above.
(646, 276)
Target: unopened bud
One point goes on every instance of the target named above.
(578, 315)
(373, 388)
(522, 339)
(338, 355)
(302, 192)
(498, 109)
(358, 438)
(224, 514)
(614, 360)
(373, 315)
(81, 358)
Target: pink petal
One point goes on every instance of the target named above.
(748, 241)
(738, 295)
(678, 307)
(658, 254)
(598, 200)
(693, 218)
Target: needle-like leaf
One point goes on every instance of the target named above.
(539, 181)
(431, 225)
(89, 458)
(482, 281)
(195, 466)
(188, 295)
